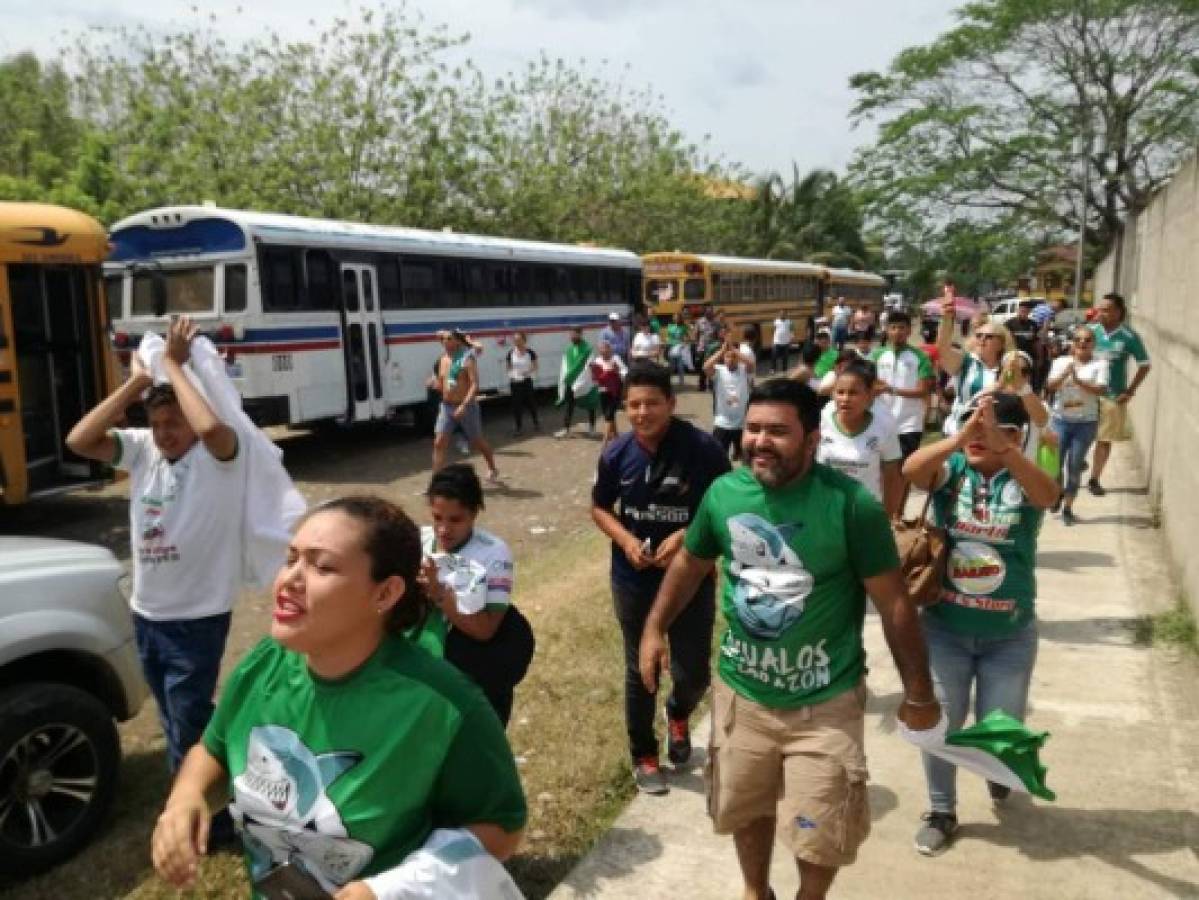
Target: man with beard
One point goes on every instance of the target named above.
(802, 545)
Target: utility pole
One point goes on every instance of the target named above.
(1085, 156)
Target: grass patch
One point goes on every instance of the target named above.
(567, 731)
(1175, 627)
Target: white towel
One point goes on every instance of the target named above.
(271, 504)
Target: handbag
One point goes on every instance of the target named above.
(923, 553)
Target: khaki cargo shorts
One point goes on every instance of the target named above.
(806, 766)
(1113, 421)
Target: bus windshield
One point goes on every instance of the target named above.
(188, 291)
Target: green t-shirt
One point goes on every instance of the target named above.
(675, 333)
(826, 362)
(1116, 348)
(347, 778)
(990, 584)
(793, 563)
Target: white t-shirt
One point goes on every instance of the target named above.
(731, 390)
(520, 365)
(904, 370)
(747, 354)
(479, 572)
(841, 314)
(185, 528)
(1071, 402)
(861, 455)
(782, 332)
(645, 346)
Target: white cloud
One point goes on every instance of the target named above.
(767, 79)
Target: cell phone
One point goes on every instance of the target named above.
(290, 882)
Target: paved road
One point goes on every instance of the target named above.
(1123, 759)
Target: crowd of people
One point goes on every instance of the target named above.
(374, 712)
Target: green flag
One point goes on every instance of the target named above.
(1004, 745)
(574, 377)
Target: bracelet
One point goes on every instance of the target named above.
(933, 702)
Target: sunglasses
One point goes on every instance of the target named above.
(985, 336)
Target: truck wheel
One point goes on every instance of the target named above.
(60, 760)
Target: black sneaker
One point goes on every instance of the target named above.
(998, 792)
(1068, 517)
(936, 834)
(1095, 488)
(678, 740)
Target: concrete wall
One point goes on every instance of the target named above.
(1156, 267)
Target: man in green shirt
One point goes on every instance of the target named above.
(1115, 342)
(802, 545)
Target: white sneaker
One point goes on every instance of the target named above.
(561, 433)
(493, 477)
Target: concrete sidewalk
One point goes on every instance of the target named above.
(1123, 758)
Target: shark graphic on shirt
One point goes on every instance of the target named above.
(771, 581)
(285, 815)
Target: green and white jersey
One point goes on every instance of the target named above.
(826, 362)
(860, 455)
(972, 378)
(904, 368)
(990, 584)
(480, 573)
(346, 778)
(793, 562)
(1116, 347)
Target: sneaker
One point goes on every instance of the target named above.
(678, 740)
(936, 833)
(1095, 488)
(648, 776)
(1057, 504)
(561, 433)
(493, 477)
(998, 792)
(1068, 517)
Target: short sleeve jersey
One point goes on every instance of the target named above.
(645, 346)
(520, 364)
(990, 584)
(971, 379)
(675, 333)
(782, 331)
(905, 368)
(346, 778)
(793, 562)
(480, 573)
(184, 527)
(731, 391)
(826, 362)
(658, 493)
(1071, 402)
(860, 455)
(1116, 348)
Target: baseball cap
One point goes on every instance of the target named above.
(1009, 410)
(823, 332)
(613, 317)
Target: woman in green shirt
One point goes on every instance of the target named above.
(342, 743)
(982, 635)
(678, 346)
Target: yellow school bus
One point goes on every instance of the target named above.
(54, 358)
(752, 291)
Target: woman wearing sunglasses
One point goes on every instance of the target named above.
(982, 634)
(971, 371)
(1077, 382)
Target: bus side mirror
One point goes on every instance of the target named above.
(158, 292)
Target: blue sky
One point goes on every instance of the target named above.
(765, 79)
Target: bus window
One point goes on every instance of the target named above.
(452, 287)
(235, 287)
(564, 293)
(322, 277)
(613, 287)
(368, 290)
(389, 283)
(476, 284)
(349, 295)
(543, 285)
(693, 289)
(419, 280)
(661, 290)
(499, 280)
(114, 289)
(585, 284)
(189, 291)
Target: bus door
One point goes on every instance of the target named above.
(363, 341)
(53, 333)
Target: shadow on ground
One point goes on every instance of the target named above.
(539, 875)
(1112, 836)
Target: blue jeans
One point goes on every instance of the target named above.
(999, 669)
(181, 659)
(1075, 439)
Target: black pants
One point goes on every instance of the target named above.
(497, 666)
(730, 440)
(570, 412)
(523, 399)
(780, 353)
(690, 653)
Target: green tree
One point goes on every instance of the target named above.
(39, 138)
(985, 118)
(815, 218)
